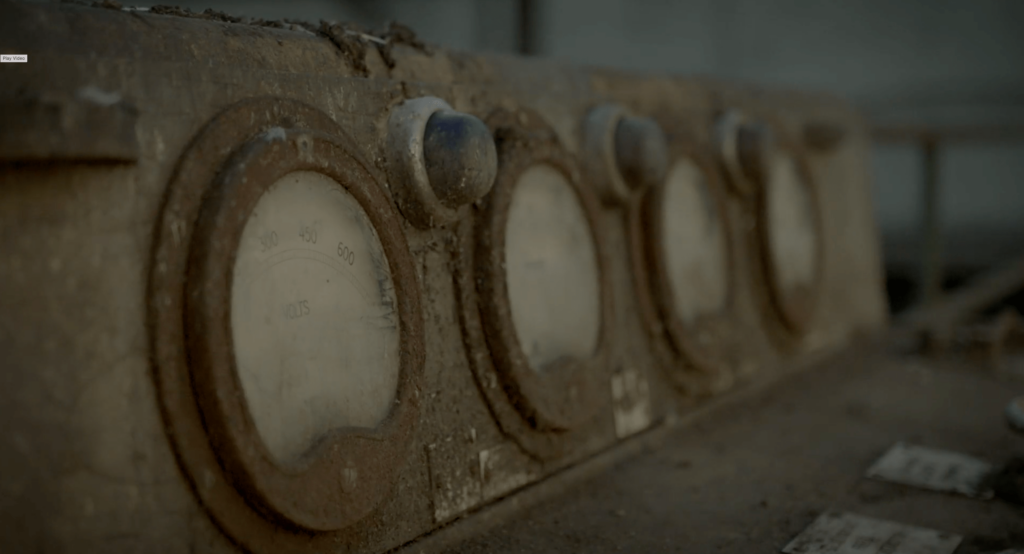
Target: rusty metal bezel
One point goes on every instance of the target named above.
(317, 495)
(653, 282)
(547, 413)
(206, 447)
(794, 309)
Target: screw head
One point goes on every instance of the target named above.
(460, 157)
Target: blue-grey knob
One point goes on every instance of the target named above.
(622, 153)
(746, 149)
(460, 157)
(641, 152)
(439, 160)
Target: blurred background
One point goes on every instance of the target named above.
(942, 82)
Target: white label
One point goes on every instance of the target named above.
(13, 58)
(936, 470)
(852, 534)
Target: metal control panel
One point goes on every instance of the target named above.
(294, 290)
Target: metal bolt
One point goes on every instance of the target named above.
(438, 160)
(641, 152)
(460, 157)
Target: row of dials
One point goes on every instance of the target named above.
(286, 303)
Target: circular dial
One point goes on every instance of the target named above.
(551, 270)
(693, 243)
(792, 234)
(313, 316)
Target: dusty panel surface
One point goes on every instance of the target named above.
(88, 463)
(750, 476)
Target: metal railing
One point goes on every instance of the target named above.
(931, 140)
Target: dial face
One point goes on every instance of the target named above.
(313, 316)
(792, 234)
(551, 270)
(693, 244)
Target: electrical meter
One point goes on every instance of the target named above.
(289, 331)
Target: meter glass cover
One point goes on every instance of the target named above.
(551, 270)
(313, 316)
(791, 228)
(693, 244)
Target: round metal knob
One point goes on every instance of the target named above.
(746, 149)
(623, 152)
(460, 157)
(439, 160)
(641, 152)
